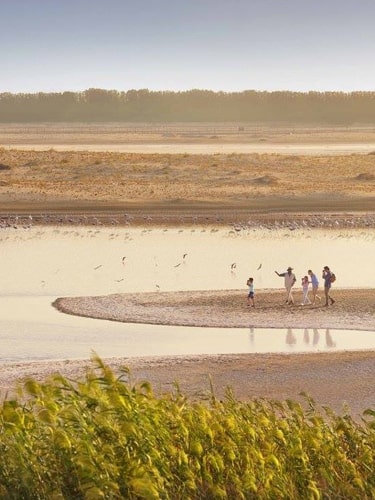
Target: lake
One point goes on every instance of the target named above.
(44, 262)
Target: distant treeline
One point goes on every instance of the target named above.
(98, 105)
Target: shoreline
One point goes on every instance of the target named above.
(23, 215)
(342, 380)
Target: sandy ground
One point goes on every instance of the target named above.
(353, 309)
(78, 182)
(316, 174)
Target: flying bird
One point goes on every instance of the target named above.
(260, 265)
(179, 264)
(97, 267)
(123, 259)
(118, 281)
(233, 266)
(185, 254)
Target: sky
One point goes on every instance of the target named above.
(220, 45)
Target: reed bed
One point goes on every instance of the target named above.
(104, 437)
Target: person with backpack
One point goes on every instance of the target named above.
(315, 285)
(329, 278)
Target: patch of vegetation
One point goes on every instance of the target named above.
(266, 180)
(365, 177)
(105, 438)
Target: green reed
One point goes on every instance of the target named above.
(102, 437)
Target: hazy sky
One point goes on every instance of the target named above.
(229, 45)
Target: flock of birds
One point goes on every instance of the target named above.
(125, 219)
(17, 222)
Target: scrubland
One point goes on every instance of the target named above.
(235, 179)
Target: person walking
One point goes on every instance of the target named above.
(328, 279)
(250, 295)
(289, 280)
(305, 290)
(314, 285)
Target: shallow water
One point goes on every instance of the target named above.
(91, 261)
(224, 148)
(42, 263)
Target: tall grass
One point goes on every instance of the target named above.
(102, 437)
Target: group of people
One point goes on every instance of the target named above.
(290, 280)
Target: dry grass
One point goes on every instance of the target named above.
(119, 177)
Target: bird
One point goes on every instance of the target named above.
(260, 265)
(157, 286)
(185, 254)
(97, 267)
(118, 281)
(123, 259)
(233, 265)
(179, 264)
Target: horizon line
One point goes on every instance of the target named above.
(197, 89)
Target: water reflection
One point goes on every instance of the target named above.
(291, 339)
(43, 263)
(38, 332)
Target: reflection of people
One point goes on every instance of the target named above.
(327, 276)
(306, 337)
(290, 338)
(314, 285)
(250, 295)
(289, 280)
(305, 290)
(315, 336)
(329, 340)
(251, 335)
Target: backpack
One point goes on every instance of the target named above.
(333, 277)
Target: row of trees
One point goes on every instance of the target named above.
(189, 106)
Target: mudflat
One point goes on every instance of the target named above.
(227, 187)
(353, 309)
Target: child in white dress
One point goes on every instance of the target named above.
(305, 290)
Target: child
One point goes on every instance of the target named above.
(250, 296)
(305, 289)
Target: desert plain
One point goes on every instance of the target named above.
(89, 175)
